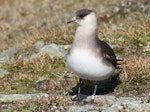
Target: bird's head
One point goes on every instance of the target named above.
(84, 17)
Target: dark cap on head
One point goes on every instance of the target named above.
(83, 12)
(80, 14)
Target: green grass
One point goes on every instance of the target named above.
(148, 100)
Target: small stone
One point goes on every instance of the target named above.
(19, 97)
(66, 47)
(61, 108)
(41, 79)
(120, 107)
(3, 72)
(57, 111)
(55, 107)
(4, 106)
(7, 55)
(92, 111)
(39, 44)
(53, 104)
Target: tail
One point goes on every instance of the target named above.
(119, 62)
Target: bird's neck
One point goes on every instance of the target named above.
(85, 36)
(84, 33)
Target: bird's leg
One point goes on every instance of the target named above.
(95, 88)
(79, 88)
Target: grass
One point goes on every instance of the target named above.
(23, 23)
(148, 100)
(25, 73)
(135, 76)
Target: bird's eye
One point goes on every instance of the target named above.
(82, 15)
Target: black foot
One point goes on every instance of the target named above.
(92, 101)
(79, 97)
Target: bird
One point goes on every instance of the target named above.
(89, 57)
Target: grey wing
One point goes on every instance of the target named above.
(108, 53)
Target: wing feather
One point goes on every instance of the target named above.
(108, 53)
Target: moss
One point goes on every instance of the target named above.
(148, 100)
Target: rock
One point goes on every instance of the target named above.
(39, 44)
(41, 84)
(57, 111)
(103, 99)
(83, 108)
(52, 50)
(3, 72)
(19, 97)
(61, 108)
(128, 107)
(105, 103)
(8, 54)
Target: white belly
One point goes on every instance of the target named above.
(88, 67)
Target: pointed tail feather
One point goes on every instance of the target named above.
(119, 62)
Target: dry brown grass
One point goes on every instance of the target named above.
(135, 76)
(33, 20)
(135, 67)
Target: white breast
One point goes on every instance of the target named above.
(87, 66)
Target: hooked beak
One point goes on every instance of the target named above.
(71, 20)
